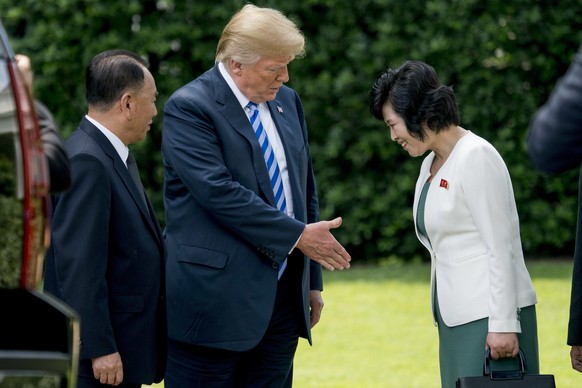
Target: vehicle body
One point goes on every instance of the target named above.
(39, 335)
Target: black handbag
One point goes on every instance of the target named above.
(509, 378)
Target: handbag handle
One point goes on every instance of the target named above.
(507, 374)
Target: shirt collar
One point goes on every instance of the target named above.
(242, 99)
(120, 147)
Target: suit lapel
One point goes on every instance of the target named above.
(123, 173)
(288, 134)
(239, 121)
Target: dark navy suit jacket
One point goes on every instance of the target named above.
(555, 145)
(224, 235)
(106, 260)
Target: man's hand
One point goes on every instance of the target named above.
(108, 369)
(23, 64)
(576, 356)
(316, 305)
(319, 245)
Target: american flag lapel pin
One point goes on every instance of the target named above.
(279, 109)
(444, 184)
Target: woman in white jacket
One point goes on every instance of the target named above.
(482, 296)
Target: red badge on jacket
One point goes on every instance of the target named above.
(444, 184)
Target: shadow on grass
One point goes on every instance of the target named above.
(394, 270)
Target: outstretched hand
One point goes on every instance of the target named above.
(319, 245)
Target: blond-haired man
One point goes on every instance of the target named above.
(245, 244)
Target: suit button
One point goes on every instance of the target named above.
(275, 266)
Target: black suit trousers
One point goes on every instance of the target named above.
(269, 364)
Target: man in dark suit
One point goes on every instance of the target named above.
(555, 145)
(242, 214)
(107, 254)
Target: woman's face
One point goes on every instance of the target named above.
(399, 133)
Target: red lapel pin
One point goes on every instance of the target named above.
(444, 184)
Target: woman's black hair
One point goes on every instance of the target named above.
(415, 94)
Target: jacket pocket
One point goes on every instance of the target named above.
(202, 256)
(471, 257)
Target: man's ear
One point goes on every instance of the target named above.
(126, 105)
(235, 67)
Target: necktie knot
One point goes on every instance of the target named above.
(253, 111)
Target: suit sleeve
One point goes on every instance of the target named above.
(555, 137)
(555, 145)
(312, 202)
(54, 149)
(80, 242)
(316, 276)
(575, 318)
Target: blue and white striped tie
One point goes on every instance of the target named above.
(272, 165)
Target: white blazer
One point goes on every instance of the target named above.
(471, 220)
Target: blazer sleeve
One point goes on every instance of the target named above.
(80, 242)
(555, 137)
(312, 201)
(489, 196)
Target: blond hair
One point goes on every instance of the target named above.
(255, 32)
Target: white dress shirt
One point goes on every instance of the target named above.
(116, 142)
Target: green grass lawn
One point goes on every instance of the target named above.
(377, 331)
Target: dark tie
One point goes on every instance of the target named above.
(134, 172)
(271, 162)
